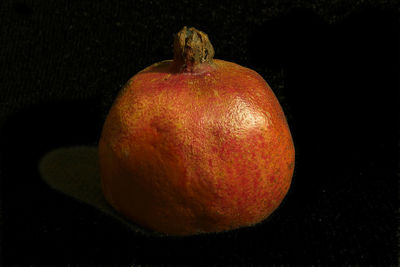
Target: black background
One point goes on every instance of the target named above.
(332, 64)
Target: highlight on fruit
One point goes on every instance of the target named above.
(195, 144)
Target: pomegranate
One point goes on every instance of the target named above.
(195, 144)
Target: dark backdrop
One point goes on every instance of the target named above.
(332, 64)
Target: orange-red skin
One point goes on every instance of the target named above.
(184, 153)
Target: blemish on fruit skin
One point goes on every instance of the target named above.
(272, 179)
(210, 165)
(291, 165)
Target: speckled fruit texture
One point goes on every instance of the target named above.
(192, 150)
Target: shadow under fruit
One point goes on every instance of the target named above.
(195, 144)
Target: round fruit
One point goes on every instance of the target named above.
(195, 144)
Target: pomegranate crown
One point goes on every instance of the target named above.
(192, 48)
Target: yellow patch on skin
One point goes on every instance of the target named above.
(179, 124)
(268, 120)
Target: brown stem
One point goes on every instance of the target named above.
(192, 50)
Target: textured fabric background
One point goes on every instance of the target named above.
(333, 65)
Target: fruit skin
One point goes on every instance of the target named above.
(189, 153)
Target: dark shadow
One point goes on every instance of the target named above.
(74, 171)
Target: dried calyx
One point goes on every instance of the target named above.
(193, 51)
